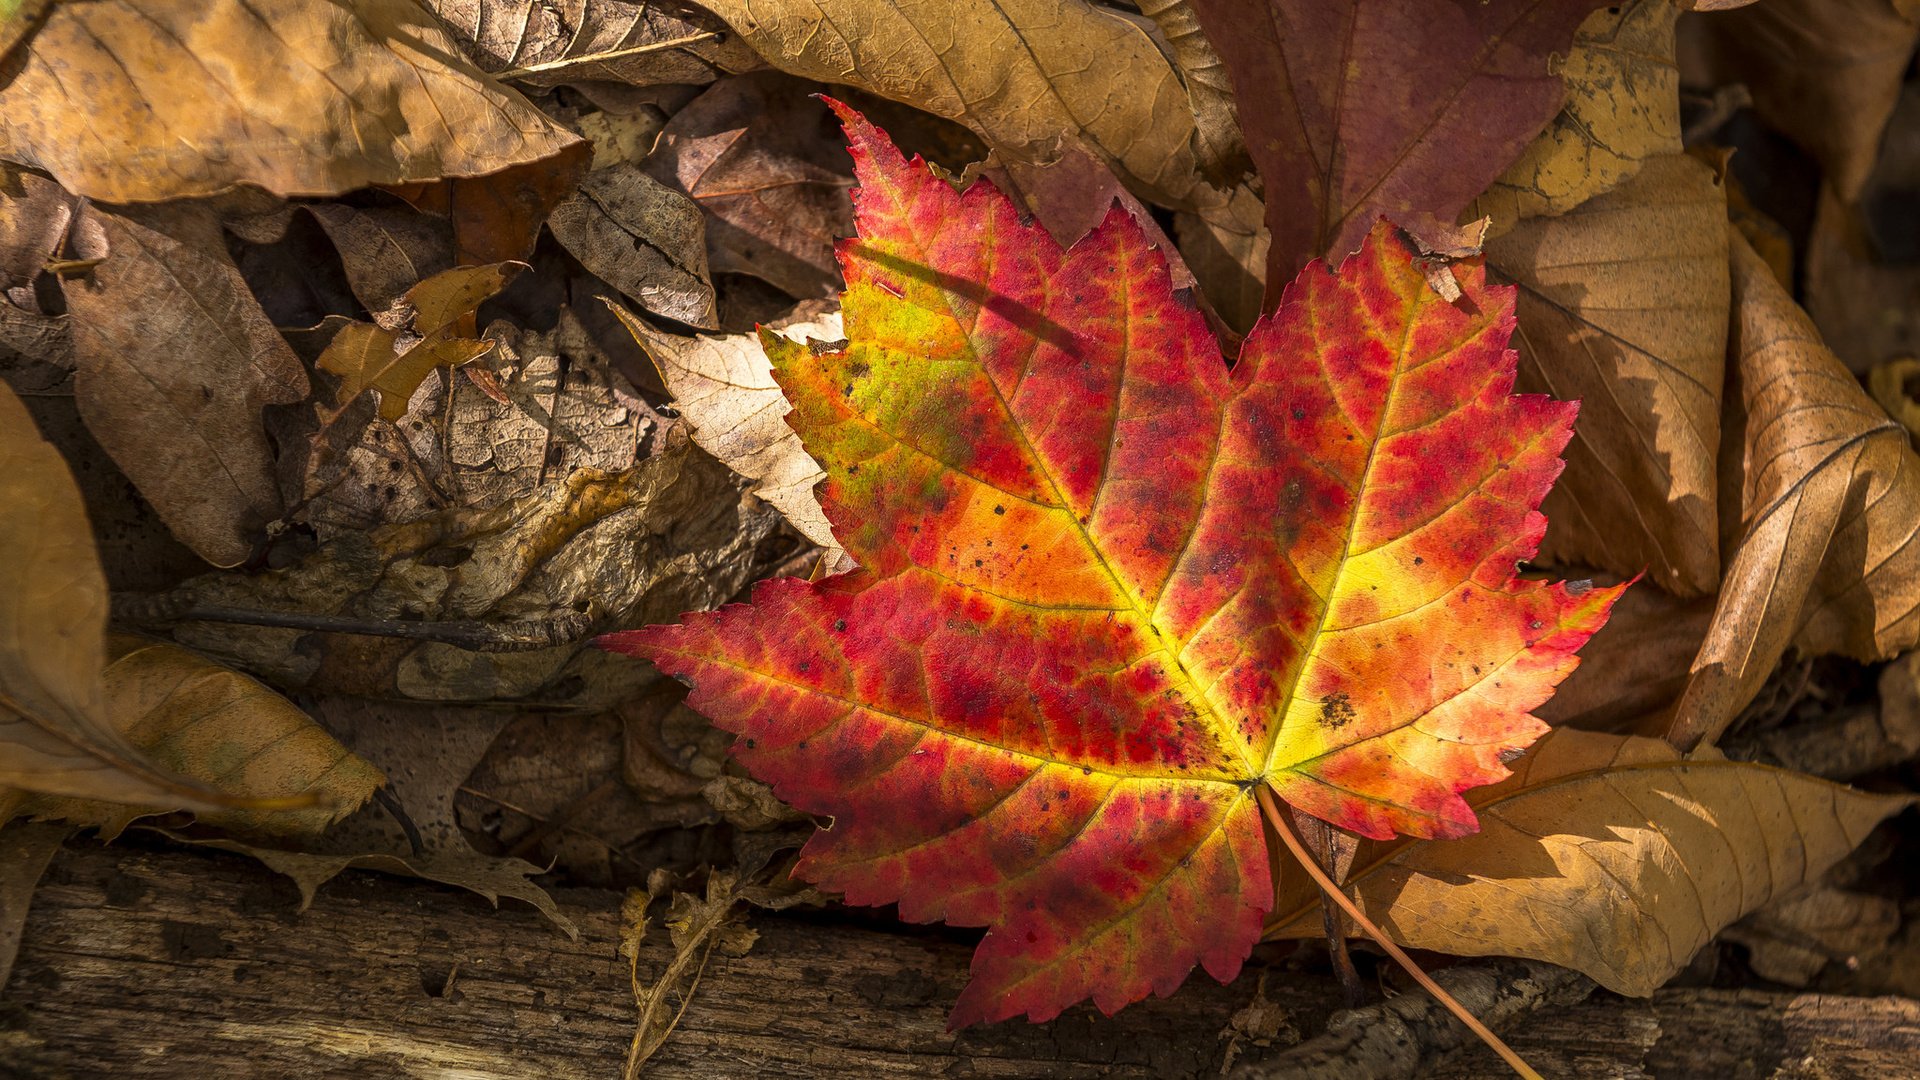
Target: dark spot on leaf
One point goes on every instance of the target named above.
(839, 624)
(1337, 710)
(999, 509)
(1579, 588)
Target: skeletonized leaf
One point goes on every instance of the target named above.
(1609, 854)
(1829, 488)
(1019, 72)
(1408, 108)
(144, 100)
(1623, 107)
(724, 386)
(56, 736)
(555, 38)
(1109, 587)
(176, 359)
(223, 729)
(1623, 305)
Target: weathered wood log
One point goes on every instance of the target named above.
(160, 963)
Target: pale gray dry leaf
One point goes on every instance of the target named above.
(25, 851)
(145, 100)
(766, 163)
(591, 552)
(1823, 494)
(1612, 855)
(176, 361)
(723, 385)
(1019, 72)
(1623, 307)
(643, 238)
(1794, 938)
(553, 36)
(427, 753)
(386, 250)
(1623, 108)
(565, 408)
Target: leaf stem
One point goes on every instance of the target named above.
(1312, 866)
(611, 54)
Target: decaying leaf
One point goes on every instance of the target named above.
(724, 386)
(1896, 386)
(544, 43)
(1828, 486)
(430, 326)
(426, 753)
(536, 573)
(1623, 306)
(25, 851)
(1825, 72)
(643, 238)
(386, 250)
(761, 159)
(1622, 108)
(1792, 939)
(1117, 587)
(1222, 151)
(55, 724)
(1226, 249)
(1408, 108)
(143, 100)
(699, 928)
(1612, 855)
(1635, 669)
(1019, 72)
(35, 216)
(176, 360)
(220, 728)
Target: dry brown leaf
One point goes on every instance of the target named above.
(427, 752)
(1866, 306)
(176, 360)
(1825, 72)
(34, 218)
(724, 387)
(1823, 491)
(25, 851)
(1896, 386)
(431, 326)
(544, 42)
(1021, 73)
(385, 250)
(1217, 139)
(1635, 669)
(143, 100)
(220, 728)
(55, 723)
(698, 928)
(1792, 939)
(1609, 854)
(1623, 307)
(1623, 107)
(1227, 248)
(643, 238)
(767, 165)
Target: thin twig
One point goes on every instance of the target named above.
(1312, 866)
(601, 57)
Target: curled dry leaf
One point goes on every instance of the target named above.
(545, 43)
(1623, 306)
(1825, 72)
(1021, 73)
(1622, 108)
(176, 360)
(762, 160)
(699, 928)
(1407, 108)
(724, 387)
(1792, 939)
(222, 729)
(1216, 137)
(1827, 489)
(643, 238)
(431, 326)
(145, 100)
(1121, 587)
(58, 734)
(1612, 855)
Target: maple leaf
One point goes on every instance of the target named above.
(1108, 587)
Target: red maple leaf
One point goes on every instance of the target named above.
(1108, 587)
